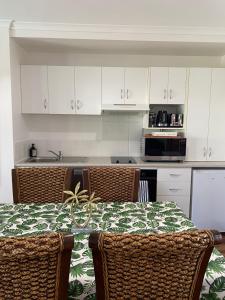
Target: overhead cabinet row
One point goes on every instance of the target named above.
(89, 90)
(61, 89)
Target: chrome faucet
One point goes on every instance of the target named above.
(59, 156)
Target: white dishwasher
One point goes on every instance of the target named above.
(208, 199)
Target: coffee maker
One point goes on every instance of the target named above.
(162, 118)
(176, 120)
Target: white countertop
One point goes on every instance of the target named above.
(106, 161)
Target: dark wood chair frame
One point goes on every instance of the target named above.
(99, 265)
(15, 184)
(86, 182)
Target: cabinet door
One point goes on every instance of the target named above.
(113, 85)
(34, 89)
(177, 85)
(158, 85)
(88, 90)
(216, 138)
(198, 113)
(61, 90)
(136, 86)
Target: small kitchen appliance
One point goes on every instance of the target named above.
(163, 148)
(162, 118)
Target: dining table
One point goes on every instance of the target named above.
(132, 217)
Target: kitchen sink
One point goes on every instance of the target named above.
(50, 159)
(42, 159)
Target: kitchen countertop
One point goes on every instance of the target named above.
(106, 161)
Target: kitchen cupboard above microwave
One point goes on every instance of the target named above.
(168, 85)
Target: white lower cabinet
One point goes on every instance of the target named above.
(175, 185)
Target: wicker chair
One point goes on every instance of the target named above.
(112, 183)
(35, 267)
(40, 185)
(158, 266)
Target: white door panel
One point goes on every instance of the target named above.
(177, 85)
(136, 86)
(34, 89)
(88, 90)
(216, 138)
(198, 113)
(113, 85)
(61, 90)
(158, 85)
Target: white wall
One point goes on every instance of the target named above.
(6, 130)
(20, 130)
(133, 12)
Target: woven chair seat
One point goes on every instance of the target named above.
(40, 185)
(161, 266)
(31, 267)
(112, 183)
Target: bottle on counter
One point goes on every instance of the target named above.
(33, 151)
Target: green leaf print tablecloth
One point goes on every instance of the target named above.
(22, 219)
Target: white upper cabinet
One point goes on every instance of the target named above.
(61, 90)
(112, 85)
(168, 85)
(34, 89)
(177, 85)
(198, 113)
(124, 88)
(136, 86)
(88, 90)
(216, 137)
(158, 85)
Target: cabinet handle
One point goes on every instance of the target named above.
(204, 152)
(174, 190)
(72, 104)
(164, 97)
(127, 94)
(171, 95)
(45, 103)
(210, 152)
(173, 174)
(79, 104)
(121, 94)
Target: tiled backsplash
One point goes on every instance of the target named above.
(112, 133)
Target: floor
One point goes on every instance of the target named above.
(221, 247)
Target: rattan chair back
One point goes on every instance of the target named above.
(40, 185)
(112, 183)
(35, 267)
(158, 266)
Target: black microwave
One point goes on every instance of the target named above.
(163, 148)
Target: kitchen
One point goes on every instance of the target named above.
(109, 83)
(101, 132)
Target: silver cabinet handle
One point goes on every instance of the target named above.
(45, 103)
(210, 152)
(121, 94)
(127, 94)
(174, 190)
(72, 104)
(204, 152)
(79, 104)
(164, 97)
(171, 95)
(173, 174)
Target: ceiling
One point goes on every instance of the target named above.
(122, 47)
(209, 13)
